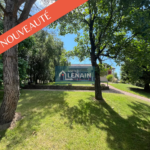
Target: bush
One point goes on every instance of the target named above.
(109, 77)
(139, 83)
(122, 81)
(115, 80)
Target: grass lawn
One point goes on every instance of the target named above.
(71, 82)
(73, 121)
(64, 83)
(131, 89)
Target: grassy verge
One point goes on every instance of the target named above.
(131, 89)
(73, 83)
(72, 120)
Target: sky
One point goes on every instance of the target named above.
(69, 43)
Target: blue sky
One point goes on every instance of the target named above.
(69, 44)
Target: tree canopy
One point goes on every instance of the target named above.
(104, 29)
(136, 65)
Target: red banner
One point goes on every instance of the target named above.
(37, 22)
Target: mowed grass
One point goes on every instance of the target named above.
(64, 83)
(131, 89)
(71, 82)
(74, 121)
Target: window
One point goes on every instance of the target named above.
(109, 72)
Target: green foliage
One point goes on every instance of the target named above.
(115, 75)
(124, 75)
(139, 83)
(1, 26)
(104, 69)
(131, 89)
(1, 71)
(136, 67)
(37, 57)
(23, 66)
(103, 27)
(110, 77)
(23, 50)
(47, 52)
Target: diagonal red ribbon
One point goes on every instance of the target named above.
(37, 22)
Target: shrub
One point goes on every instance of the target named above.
(139, 83)
(115, 80)
(122, 81)
(109, 77)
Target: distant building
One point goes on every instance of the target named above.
(76, 72)
(110, 71)
(103, 78)
(81, 72)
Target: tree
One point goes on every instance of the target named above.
(47, 53)
(136, 65)
(110, 77)
(104, 69)
(124, 74)
(13, 15)
(24, 48)
(102, 29)
(115, 75)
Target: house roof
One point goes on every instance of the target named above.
(82, 65)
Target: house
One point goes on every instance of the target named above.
(80, 72)
(75, 72)
(110, 71)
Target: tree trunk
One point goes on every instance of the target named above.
(146, 87)
(36, 81)
(98, 91)
(10, 73)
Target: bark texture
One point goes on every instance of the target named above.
(98, 90)
(10, 60)
(10, 72)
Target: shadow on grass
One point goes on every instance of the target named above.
(140, 91)
(122, 134)
(132, 133)
(2, 133)
(112, 91)
(33, 109)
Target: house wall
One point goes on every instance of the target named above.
(103, 78)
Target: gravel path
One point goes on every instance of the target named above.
(115, 90)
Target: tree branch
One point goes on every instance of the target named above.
(25, 13)
(84, 20)
(103, 33)
(128, 40)
(22, 11)
(20, 2)
(109, 21)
